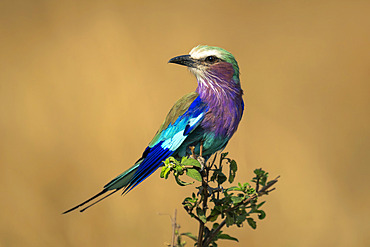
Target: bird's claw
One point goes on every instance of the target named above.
(193, 155)
(201, 160)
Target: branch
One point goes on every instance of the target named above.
(205, 173)
(262, 192)
(174, 225)
(234, 207)
(214, 233)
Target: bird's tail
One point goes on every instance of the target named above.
(116, 184)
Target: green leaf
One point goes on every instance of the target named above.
(213, 177)
(229, 220)
(223, 155)
(259, 205)
(171, 161)
(264, 179)
(237, 199)
(179, 169)
(190, 200)
(206, 231)
(187, 161)
(167, 172)
(218, 208)
(215, 225)
(166, 162)
(190, 235)
(233, 169)
(212, 218)
(162, 171)
(241, 218)
(221, 178)
(187, 199)
(214, 215)
(201, 215)
(252, 223)
(261, 215)
(259, 172)
(183, 159)
(180, 182)
(251, 191)
(234, 188)
(227, 236)
(193, 173)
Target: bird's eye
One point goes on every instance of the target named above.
(211, 59)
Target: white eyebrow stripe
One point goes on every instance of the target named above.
(202, 53)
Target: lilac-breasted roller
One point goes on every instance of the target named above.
(208, 117)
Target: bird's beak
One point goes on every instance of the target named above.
(185, 60)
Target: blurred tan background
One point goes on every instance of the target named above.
(84, 85)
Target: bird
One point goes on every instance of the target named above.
(201, 121)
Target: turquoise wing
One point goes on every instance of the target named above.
(183, 118)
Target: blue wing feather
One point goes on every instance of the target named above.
(148, 166)
(168, 141)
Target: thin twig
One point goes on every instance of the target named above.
(193, 215)
(174, 228)
(262, 192)
(213, 161)
(218, 183)
(258, 183)
(214, 233)
(205, 173)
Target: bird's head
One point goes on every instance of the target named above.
(207, 62)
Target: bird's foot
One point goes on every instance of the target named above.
(201, 160)
(193, 155)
